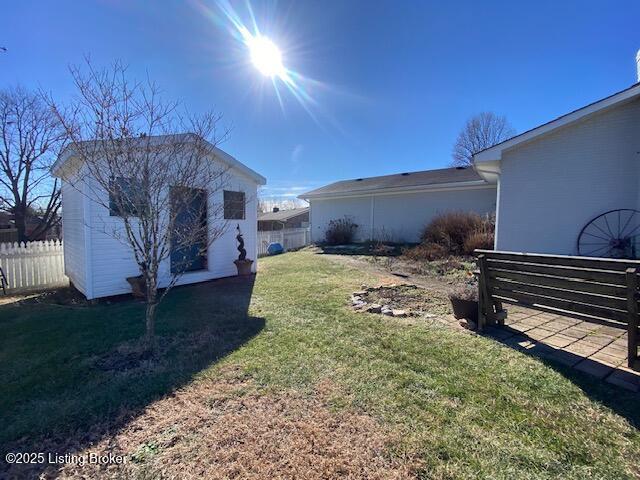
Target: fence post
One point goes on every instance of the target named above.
(632, 312)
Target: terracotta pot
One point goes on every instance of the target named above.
(244, 267)
(138, 286)
(467, 309)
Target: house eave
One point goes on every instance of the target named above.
(475, 184)
(494, 154)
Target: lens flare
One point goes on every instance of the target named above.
(266, 56)
(262, 53)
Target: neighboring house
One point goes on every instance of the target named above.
(398, 207)
(556, 178)
(98, 264)
(282, 219)
(8, 232)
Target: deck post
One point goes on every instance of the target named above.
(484, 301)
(632, 312)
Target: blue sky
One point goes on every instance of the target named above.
(390, 83)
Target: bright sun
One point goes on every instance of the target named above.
(266, 56)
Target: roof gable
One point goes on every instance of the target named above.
(67, 156)
(494, 153)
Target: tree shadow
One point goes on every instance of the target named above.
(619, 400)
(57, 394)
(377, 249)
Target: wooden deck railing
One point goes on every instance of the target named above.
(600, 290)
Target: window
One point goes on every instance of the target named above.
(234, 205)
(125, 197)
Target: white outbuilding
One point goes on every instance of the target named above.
(98, 264)
(398, 207)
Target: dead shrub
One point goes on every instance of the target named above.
(426, 251)
(483, 240)
(341, 231)
(452, 230)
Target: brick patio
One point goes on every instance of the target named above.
(599, 350)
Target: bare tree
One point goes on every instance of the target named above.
(160, 190)
(481, 131)
(30, 139)
(268, 204)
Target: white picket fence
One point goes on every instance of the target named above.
(289, 238)
(33, 265)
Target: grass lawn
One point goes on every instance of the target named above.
(435, 402)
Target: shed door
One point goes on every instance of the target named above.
(189, 235)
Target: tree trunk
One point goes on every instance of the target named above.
(20, 220)
(151, 310)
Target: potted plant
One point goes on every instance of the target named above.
(464, 300)
(243, 264)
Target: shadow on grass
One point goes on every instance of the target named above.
(54, 390)
(367, 248)
(619, 400)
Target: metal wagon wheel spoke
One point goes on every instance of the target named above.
(611, 234)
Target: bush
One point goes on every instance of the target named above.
(340, 231)
(426, 251)
(453, 230)
(483, 240)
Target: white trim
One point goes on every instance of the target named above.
(471, 185)
(496, 229)
(88, 257)
(495, 153)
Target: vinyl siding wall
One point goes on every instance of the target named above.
(112, 261)
(398, 217)
(73, 233)
(551, 187)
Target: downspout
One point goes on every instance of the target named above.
(495, 236)
(372, 219)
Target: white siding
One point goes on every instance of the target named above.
(73, 234)
(398, 217)
(551, 187)
(112, 259)
(98, 258)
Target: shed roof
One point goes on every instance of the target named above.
(68, 153)
(425, 179)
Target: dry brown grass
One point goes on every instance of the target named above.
(226, 428)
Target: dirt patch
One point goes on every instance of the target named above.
(228, 429)
(400, 300)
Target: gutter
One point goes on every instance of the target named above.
(473, 184)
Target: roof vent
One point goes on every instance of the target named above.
(460, 167)
(405, 174)
(276, 209)
(358, 180)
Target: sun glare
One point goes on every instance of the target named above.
(266, 56)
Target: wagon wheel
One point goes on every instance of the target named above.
(611, 234)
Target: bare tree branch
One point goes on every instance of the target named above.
(153, 170)
(30, 139)
(480, 132)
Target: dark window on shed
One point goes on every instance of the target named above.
(234, 205)
(125, 197)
